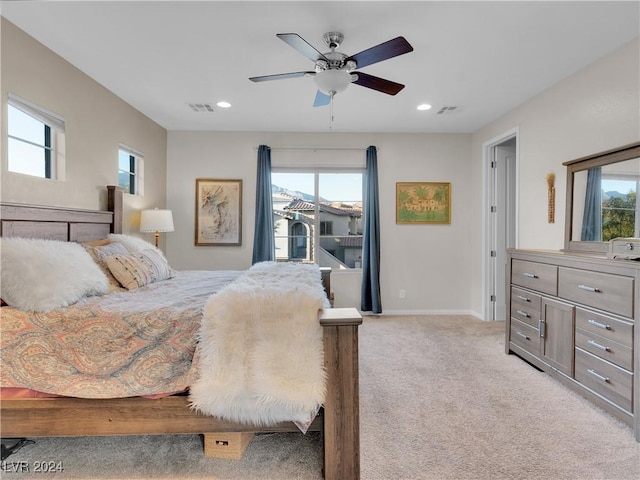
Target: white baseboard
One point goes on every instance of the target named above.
(427, 312)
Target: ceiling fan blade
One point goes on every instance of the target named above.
(384, 51)
(281, 76)
(377, 83)
(300, 44)
(322, 99)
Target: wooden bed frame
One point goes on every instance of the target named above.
(51, 417)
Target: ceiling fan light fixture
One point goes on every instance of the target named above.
(334, 70)
(322, 65)
(332, 81)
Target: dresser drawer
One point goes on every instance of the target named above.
(526, 299)
(605, 326)
(602, 347)
(525, 306)
(536, 276)
(525, 336)
(613, 383)
(613, 293)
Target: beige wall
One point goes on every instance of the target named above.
(596, 109)
(97, 122)
(424, 260)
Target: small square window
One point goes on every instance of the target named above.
(326, 228)
(35, 140)
(130, 166)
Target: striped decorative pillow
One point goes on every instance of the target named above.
(135, 270)
(100, 253)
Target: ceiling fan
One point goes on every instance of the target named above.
(334, 71)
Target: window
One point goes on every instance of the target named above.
(299, 241)
(130, 168)
(620, 206)
(326, 228)
(318, 217)
(35, 140)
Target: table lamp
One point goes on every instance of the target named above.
(156, 221)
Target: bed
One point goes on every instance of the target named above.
(338, 420)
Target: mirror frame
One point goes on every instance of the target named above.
(620, 154)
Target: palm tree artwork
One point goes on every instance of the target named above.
(423, 202)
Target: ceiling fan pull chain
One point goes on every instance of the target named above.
(331, 112)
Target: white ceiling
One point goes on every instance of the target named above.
(483, 57)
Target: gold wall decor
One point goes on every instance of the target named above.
(551, 196)
(423, 202)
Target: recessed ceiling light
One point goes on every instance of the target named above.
(223, 104)
(424, 106)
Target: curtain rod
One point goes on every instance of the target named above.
(318, 148)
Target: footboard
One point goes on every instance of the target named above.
(53, 417)
(342, 403)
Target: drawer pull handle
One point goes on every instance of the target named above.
(524, 299)
(599, 325)
(598, 376)
(598, 346)
(530, 275)
(524, 314)
(587, 288)
(520, 334)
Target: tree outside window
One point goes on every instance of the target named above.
(620, 210)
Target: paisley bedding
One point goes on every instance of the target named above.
(132, 343)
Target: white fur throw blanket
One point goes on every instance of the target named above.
(260, 347)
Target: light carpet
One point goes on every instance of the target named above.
(439, 400)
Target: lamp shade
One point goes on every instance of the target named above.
(156, 220)
(332, 81)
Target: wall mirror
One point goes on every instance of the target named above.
(602, 199)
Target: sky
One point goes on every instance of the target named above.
(622, 186)
(346, 187)
(30, 157)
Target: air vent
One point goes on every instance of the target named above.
(447, 109)
(201, 107)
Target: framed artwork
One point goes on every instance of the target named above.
(218, 212)
(423, 202)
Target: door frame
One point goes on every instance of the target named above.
(488, 222)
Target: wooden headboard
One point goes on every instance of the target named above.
(62, 223)
(77, 225)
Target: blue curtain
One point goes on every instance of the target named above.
(371, 301)
(263, 241)
(592, 217)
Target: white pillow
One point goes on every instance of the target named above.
(41, 275)
(133, 244)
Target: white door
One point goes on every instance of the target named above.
(501, 225)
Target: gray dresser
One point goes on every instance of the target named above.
(573, 316)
